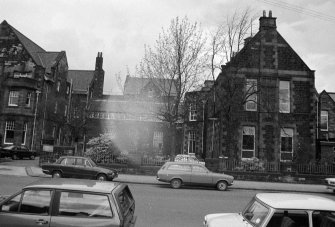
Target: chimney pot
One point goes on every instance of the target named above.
(264, 13)
(270, 13)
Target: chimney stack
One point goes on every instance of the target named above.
(267, 23)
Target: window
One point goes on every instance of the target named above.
(158, 139)
(56, 107)
(68, 161)
(251, 95)
(28, 99)
(12, 205)
(125, 200)
(193, 112)
(186, 168)
(36, 202)
(323, 218)
(13, 98)
(84, 205)
(324, 120)
(24, 133)
(256, 213)
(191, 142)
(248, 142)
(290, 218)
(9, 132)
(199, 169)
(286, 145)
(58, 85)
(284, 96)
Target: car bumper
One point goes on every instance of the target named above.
(46, 171)
(112, 176)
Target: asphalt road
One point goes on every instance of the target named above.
(160, 205)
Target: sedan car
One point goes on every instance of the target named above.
(279, 210)
(191, 173)
(17, 152)
(78, 167)
(69, 202)
(330, 183)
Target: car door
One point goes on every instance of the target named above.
(126, 205)
(83, 209)
(23, 152)
(27, 209)
(201, 175)
(67, 167)
(179, 170)
(84, 169)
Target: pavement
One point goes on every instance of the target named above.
(35, 171)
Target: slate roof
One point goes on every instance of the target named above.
(48, 59)
(332, 95)
(81, 80)
(135, 85)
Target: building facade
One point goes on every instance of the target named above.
(263, 103)
(34, 91)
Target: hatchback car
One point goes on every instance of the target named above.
(69, 202)
(17, 152)
(78, 167)
(279, 210)
(191, 173)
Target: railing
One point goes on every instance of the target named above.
(239, 166)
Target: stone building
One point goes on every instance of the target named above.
(265, 103)
(34, 91)
(326, 128)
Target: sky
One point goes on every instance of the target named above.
(121, 28)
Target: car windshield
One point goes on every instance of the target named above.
(92, 162)
(255, 213)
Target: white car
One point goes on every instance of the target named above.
(330, 183)
(279, 210)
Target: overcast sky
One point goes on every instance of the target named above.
(120, 28)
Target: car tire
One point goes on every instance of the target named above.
(14, 157)
(101, 177)
(56, 174)
(175, 183)
(222, 185)
(32, 157)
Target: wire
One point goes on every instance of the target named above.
(296, 8)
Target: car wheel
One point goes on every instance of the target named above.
(14, 157)
(175, 183)
(56, 174)
(222, 186)
(32, 157)
(101, 177)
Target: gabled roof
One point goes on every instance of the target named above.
(81, 79)
(330, 94)
(32, 48)
(48, 59)
(135, 85)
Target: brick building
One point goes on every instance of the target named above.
(266, 102)
(326, 128)
(34, 92)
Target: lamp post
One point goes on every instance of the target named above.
(35, 114)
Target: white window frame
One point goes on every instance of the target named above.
(251, 101)
(157, 139)
(191, 142)
(286, 132)
(193, 112)
(10, 126)
(13, 96)
(324, 114)
(28, 99)
(284, 102)
(248, 130)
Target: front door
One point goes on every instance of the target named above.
(200, 175)
(32, 210)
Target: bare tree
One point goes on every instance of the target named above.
(176, 65)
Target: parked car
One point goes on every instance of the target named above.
(330, 183)
(69, 202)
(192, 173)
(279, 210)
(78, 167)
(187, 158)
(17, 152)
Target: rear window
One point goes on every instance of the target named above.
(125, 200)
(179, 167)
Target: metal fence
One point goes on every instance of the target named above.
(239, 166)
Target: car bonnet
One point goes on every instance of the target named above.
(226, 219)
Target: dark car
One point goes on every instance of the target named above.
(70, 202)
(17, 152)
(78, 167)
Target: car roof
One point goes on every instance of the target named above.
(296, 201)
(71, 156)
(185, 162)
(75, 184)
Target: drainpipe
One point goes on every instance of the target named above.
(34, 125)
